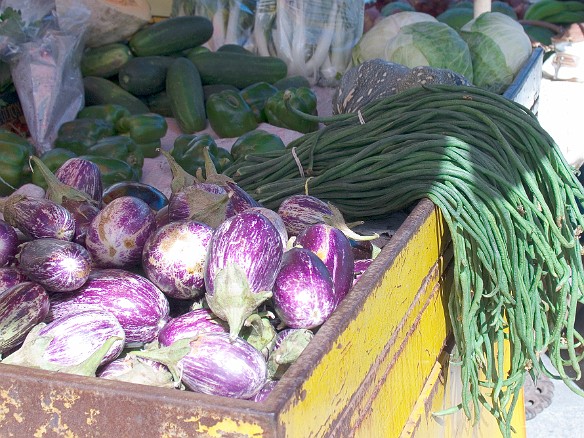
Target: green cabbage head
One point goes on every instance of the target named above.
(499, 47)
(430, 43)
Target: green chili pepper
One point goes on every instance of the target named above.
(14, 169)
(303, 99)
(256, 142)
(122, 148)
(229, 115)
(79, 134)
(143, 128)
(53, 159)
(108, 111)
(255, 96)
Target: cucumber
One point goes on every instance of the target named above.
(159, 103)
(237, 69)
(105, 61)
(292, 82)
(171, 35)
(144, 75)
(99, 91)
(185, 91)
(235, 48)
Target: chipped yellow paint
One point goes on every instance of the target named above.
(403, 304)
(7, 404)
(92, 417)
(50, 406)
(230, 426)
(18, 417)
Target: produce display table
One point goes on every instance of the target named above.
(378, 367)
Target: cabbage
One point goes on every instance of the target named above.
(430, 43)
(372, 43)
(499, 47)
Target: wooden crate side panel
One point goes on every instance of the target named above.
(361, 330)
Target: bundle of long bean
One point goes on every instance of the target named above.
(511, 203)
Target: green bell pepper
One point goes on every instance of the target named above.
(112, 170)
(79, 134)
(146, 130)
(53, 159)
(14, 169)
(255, 96)
(188, 149)
(278, 114)
(122, 148)
(108, 111)
(229, 115)
(257, 141)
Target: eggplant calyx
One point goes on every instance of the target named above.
(89, 366)
(258, 331)
(211, 175)
(336, 220)
(233, 301)
(180, 177)
(169, 356)
(208, 208)
(56, 190)
(31, 351)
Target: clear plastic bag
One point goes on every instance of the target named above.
(313, 37)
(43, 49)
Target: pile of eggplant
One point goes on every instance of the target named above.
(204, 290)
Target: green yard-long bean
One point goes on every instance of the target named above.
(510, 200)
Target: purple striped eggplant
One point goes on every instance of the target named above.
(215, 364)
(203, 202)
(242, 263)
(239, 200)
(22, 307)
(57, 265)
(140, 307)
(174, 256)
(82, 175)
(304, 295)
(11, 276)
(77, 186)
(288, 346)
(134, 369)
(265, 391)
(190, 325)
(334, 248)
(38, 217)
(8, 243)
(300, 211)
(360, 266)
(276, 220)
(77, 343)
(116, 236)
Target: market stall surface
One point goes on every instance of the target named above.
(560, 113)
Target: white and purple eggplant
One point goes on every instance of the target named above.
(190, 325)
(300, 211)
(304, 295)
(81, 174)
(215, 364)
(134, 369)
(140, 307)
(288, 346)
(239, 199)
(242, 263)
(116, 236)
(360, 266)
(57, 265)
(173, 258)
(276, 220)
(202, 202)
(11, 276)
(36, 218)
(78, 188)
(8, 243)
(79, 344)
(22, 306)
(334, 248)
(266, 390)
